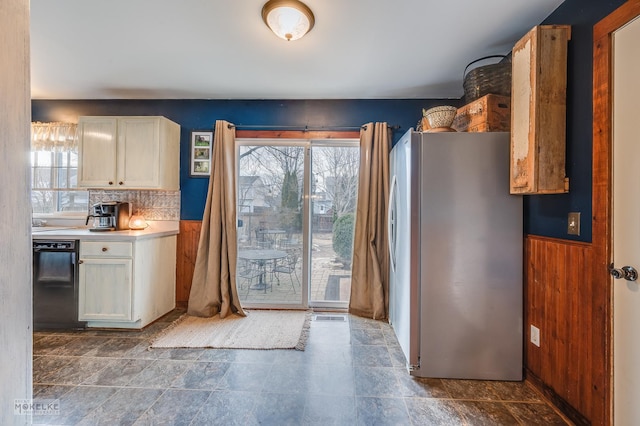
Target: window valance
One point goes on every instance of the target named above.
(54, 136)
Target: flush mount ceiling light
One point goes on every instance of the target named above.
(288, 19)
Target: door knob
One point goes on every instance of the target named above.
(629, 273)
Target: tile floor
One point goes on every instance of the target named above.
(351, 373)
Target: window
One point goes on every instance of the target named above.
(291, 192)
(54, 182)
(54, 170)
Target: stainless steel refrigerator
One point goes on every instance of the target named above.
(455, 237)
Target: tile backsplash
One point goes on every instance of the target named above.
(153, 205)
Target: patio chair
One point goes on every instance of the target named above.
(262, 239)
(287, 266)
(247, 271)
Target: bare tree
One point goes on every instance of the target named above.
(280, 168)
(281, 171)
(275, 164)
(337, 168)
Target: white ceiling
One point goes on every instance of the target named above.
(221, 49)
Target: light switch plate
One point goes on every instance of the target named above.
(534, 335)
(573, 223)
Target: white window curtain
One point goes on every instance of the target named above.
(54, 169)
(54, 136)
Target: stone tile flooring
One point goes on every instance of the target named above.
(351, 373)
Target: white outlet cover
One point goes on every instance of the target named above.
(534, 335)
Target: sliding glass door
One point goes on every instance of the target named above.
(334, 192)
(296, 203)
(271, 243)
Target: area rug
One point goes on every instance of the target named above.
(260, 329)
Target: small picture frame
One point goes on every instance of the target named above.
(201, 153)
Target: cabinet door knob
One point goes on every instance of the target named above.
(110, 182)
(120, 183)
(105, 249)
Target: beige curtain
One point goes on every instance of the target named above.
(370, 267)
(213, 289)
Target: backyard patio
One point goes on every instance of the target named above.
(330, 281)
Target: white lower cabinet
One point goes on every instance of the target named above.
(126, 284)
(105, 290)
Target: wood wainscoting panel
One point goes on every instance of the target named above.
(559, 300)
(187, 250)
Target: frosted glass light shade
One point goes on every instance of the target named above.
(288, 19)
(137, 222)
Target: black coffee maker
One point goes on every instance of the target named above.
(110, 216)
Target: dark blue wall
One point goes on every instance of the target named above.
(202, 114)
(547, 214)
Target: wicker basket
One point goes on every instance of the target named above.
(488, 79)
(440, 116)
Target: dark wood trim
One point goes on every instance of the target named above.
(557, 241)
(602, 187)
(616, 19)
(297, 134)
(566, 408)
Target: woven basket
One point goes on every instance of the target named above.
(440, 116)
(487, 79)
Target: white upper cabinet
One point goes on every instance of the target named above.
(129, 153)
(97, 137)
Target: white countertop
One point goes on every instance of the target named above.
(154, 229)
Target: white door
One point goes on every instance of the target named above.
(626, 223)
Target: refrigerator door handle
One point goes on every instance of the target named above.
(391, 222)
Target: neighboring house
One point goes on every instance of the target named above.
(321, 203)
(252, 194)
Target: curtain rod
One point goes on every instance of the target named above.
(301, 128)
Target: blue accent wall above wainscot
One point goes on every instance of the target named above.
(547, 215)
(194, 114)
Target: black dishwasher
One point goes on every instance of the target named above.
(55, 284)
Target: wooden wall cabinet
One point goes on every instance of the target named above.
(490, 113)
(129, 153)
(538, 111)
